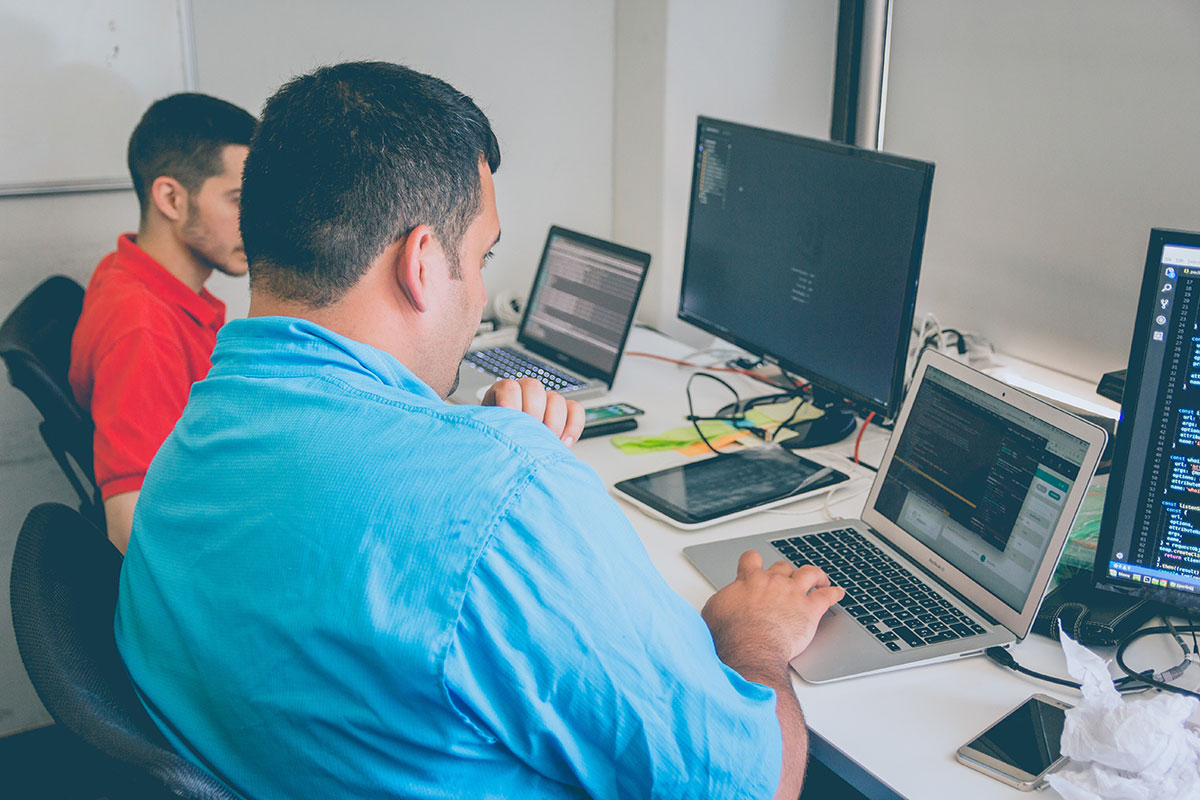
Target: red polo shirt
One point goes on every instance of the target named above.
(143, 339)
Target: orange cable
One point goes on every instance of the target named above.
(861, 431)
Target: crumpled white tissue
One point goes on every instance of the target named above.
(1135, 748)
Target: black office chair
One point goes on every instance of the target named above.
(35, 343)
(64, 595)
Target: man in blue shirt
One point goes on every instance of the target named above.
(340, 586)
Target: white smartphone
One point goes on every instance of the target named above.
(1023, 747)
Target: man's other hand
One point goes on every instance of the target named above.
(766, 617)
(564, 417)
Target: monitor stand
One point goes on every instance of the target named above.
(833, 426)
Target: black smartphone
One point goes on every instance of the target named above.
(610, 413)
(611, 418)
(1023, 746)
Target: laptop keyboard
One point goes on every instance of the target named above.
(505, 362)
(881, 594)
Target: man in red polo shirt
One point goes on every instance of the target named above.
(148, 325)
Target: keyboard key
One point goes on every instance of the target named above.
(909, 637)
(880, 593)
(892, 646)
(508, 363)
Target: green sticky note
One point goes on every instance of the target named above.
(672, 439)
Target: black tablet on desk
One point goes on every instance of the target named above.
(727, 486)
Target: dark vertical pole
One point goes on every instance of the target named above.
(846, 70)
(860, 72)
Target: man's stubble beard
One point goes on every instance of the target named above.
(196, 236)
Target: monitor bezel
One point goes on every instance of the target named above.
(1159, 237)
(818, 380)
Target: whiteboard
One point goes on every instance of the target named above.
(75, 78)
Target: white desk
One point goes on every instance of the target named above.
(902, 726)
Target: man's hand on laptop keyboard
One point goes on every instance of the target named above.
(759, 623)
(766, 617)
(563, 417)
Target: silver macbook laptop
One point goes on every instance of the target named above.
(575, 324)
(961, 531)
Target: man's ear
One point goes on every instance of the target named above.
(413, 265)
(169, 197)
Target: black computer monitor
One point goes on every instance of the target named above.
(1150, 532)
(807, 252)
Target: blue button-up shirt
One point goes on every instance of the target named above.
(340, 586)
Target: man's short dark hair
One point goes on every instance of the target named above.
(348, 160)
(184, 137)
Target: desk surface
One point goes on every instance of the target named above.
(903, 726)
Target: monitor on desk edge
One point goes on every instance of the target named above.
(807, 252)
(1150, 532)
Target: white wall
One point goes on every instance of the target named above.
(1063, 130)
(41, 236)
(768, 63)
(542, 70)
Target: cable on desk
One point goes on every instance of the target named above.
(861, 431)
(809, 506)
(838, 487)
(1178, 639)
(736, 416)
(1162, 679)
(1005, 659)
(795, 409)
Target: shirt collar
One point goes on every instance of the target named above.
(204, 307)
(281, 345)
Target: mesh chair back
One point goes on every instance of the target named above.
(35, 343)
(64, 593)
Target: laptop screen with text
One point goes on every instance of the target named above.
(583, 300)
(981, 483)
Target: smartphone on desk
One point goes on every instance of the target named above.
(1023, 747)
(612, 418)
